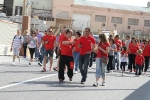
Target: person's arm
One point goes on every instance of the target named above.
(68, 42)
(37, 43)
(105, 51)
(11, 46)
(95, 49)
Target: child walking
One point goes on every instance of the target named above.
(124, 59)
(139, 60)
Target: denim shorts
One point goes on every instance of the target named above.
(48, 52)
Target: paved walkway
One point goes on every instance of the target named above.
(24, 82)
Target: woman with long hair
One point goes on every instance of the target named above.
(132, 49)
(113, 49)
(76, 51)
(102, 51)
(32, 44)
(25, 42)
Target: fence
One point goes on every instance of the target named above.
(7, 32)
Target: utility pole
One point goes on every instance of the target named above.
(26, 17)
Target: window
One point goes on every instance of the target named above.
(116, 20)
(132, 21)
(100, 18)
(147, 23)
(63, 14)
(46, 18)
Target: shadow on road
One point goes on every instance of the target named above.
(142, 93)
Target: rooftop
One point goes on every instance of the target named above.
(111, 5)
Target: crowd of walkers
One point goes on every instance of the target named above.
(76, 54)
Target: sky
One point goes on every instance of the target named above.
(142, 3)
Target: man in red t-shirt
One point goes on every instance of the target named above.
(86, 43)
(66, 56)
(118, 43)
(49, 42)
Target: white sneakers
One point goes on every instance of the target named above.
(13, 63)
(75, 72)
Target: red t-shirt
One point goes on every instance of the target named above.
(99, 54)
(66, 49)
(60, 37)
(123, 44)
(104, 46)
(86, 44)
(77, 49)
(133, 48)
(51, 41)
(118, 44)
(139, 59)
(146, 51)
(124, 52)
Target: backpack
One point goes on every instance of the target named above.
(15, 37)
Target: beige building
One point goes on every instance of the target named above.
(78, 14)
(98, 15)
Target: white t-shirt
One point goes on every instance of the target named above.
(127, 42)
(124, 58)
(32, 43)
(17, 41)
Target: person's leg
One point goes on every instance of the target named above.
(121, 65)
(32, 53)
(146, 63)
(51, 58)
(74, 57)
(17, 53)
(81, 62)
(134, 61)
(111, 62)
(42, 55)
(136, 73)
(118, 60)
(140, 67)
(86, 64)
(91, 59)
(36, 52)
(131, 62)
(69, 64)
(61, 68)
(98, 71)
(103, 73)
(108, 65)
(14, 54)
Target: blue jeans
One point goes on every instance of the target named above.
(37, 53)
(42, 54)
(76, 56)
(83, 65)
(118, 56)
(100, 68)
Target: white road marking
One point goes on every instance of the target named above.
(11, 85)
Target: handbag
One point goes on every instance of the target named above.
(104, 60)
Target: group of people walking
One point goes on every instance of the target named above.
(111, 53)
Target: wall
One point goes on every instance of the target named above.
(7, 32)
(109, 13)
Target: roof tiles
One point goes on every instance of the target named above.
(111, 5)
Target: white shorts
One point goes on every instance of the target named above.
(16, 51)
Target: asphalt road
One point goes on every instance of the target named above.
(24, 82)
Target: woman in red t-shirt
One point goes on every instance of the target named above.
(132, 49)
(102, 51)
(76, 51)
(146, 54)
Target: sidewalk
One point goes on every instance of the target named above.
(5, 59)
